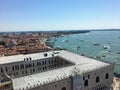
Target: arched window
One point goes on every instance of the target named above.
(64, 88)
(97, 79)
(27, 59)
(86, 83)
(106, 76)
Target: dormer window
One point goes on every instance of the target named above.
(30, 58)
(45, 54)
(52, 55)
(24, 59)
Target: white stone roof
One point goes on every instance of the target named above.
(78, 59)
(40, 79)
(73, 58)
(47, 77)
(82, 65)
(18, 58)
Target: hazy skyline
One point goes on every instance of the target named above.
(29, 15)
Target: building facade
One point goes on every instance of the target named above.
(56, 70)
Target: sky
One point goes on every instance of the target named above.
(30, 15)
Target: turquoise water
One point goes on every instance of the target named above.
(84, 44)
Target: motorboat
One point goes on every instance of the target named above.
(78, 47)
(106, 46)
(96, 44)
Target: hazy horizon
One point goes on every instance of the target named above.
(61, 30)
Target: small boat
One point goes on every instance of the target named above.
(98, 57)
(109, 51)
(106, 47)
(82, 40)
(59, 48)
(65, 40)
(103, 56)
(82, 54)
(78, 47)
(96, 44)
(119, 37)
(118, 52)
(118, 58)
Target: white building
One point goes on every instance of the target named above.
(58, 70)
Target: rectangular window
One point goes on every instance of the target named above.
(33, 64)
(13, 68)
(55, 60)
(26, 65)
(1, 70)
(33, 70)
(49, 61)
(43, 68)
(26, 72)
(16, 67)
(30, 65)
(21, 66)
(45, 62)
(37, 64)
(6, 69)
(42, 62)
(52, 61)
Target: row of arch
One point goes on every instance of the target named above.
(97, 79)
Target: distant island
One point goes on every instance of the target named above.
(61, 31)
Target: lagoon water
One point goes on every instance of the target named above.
(102, 45)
